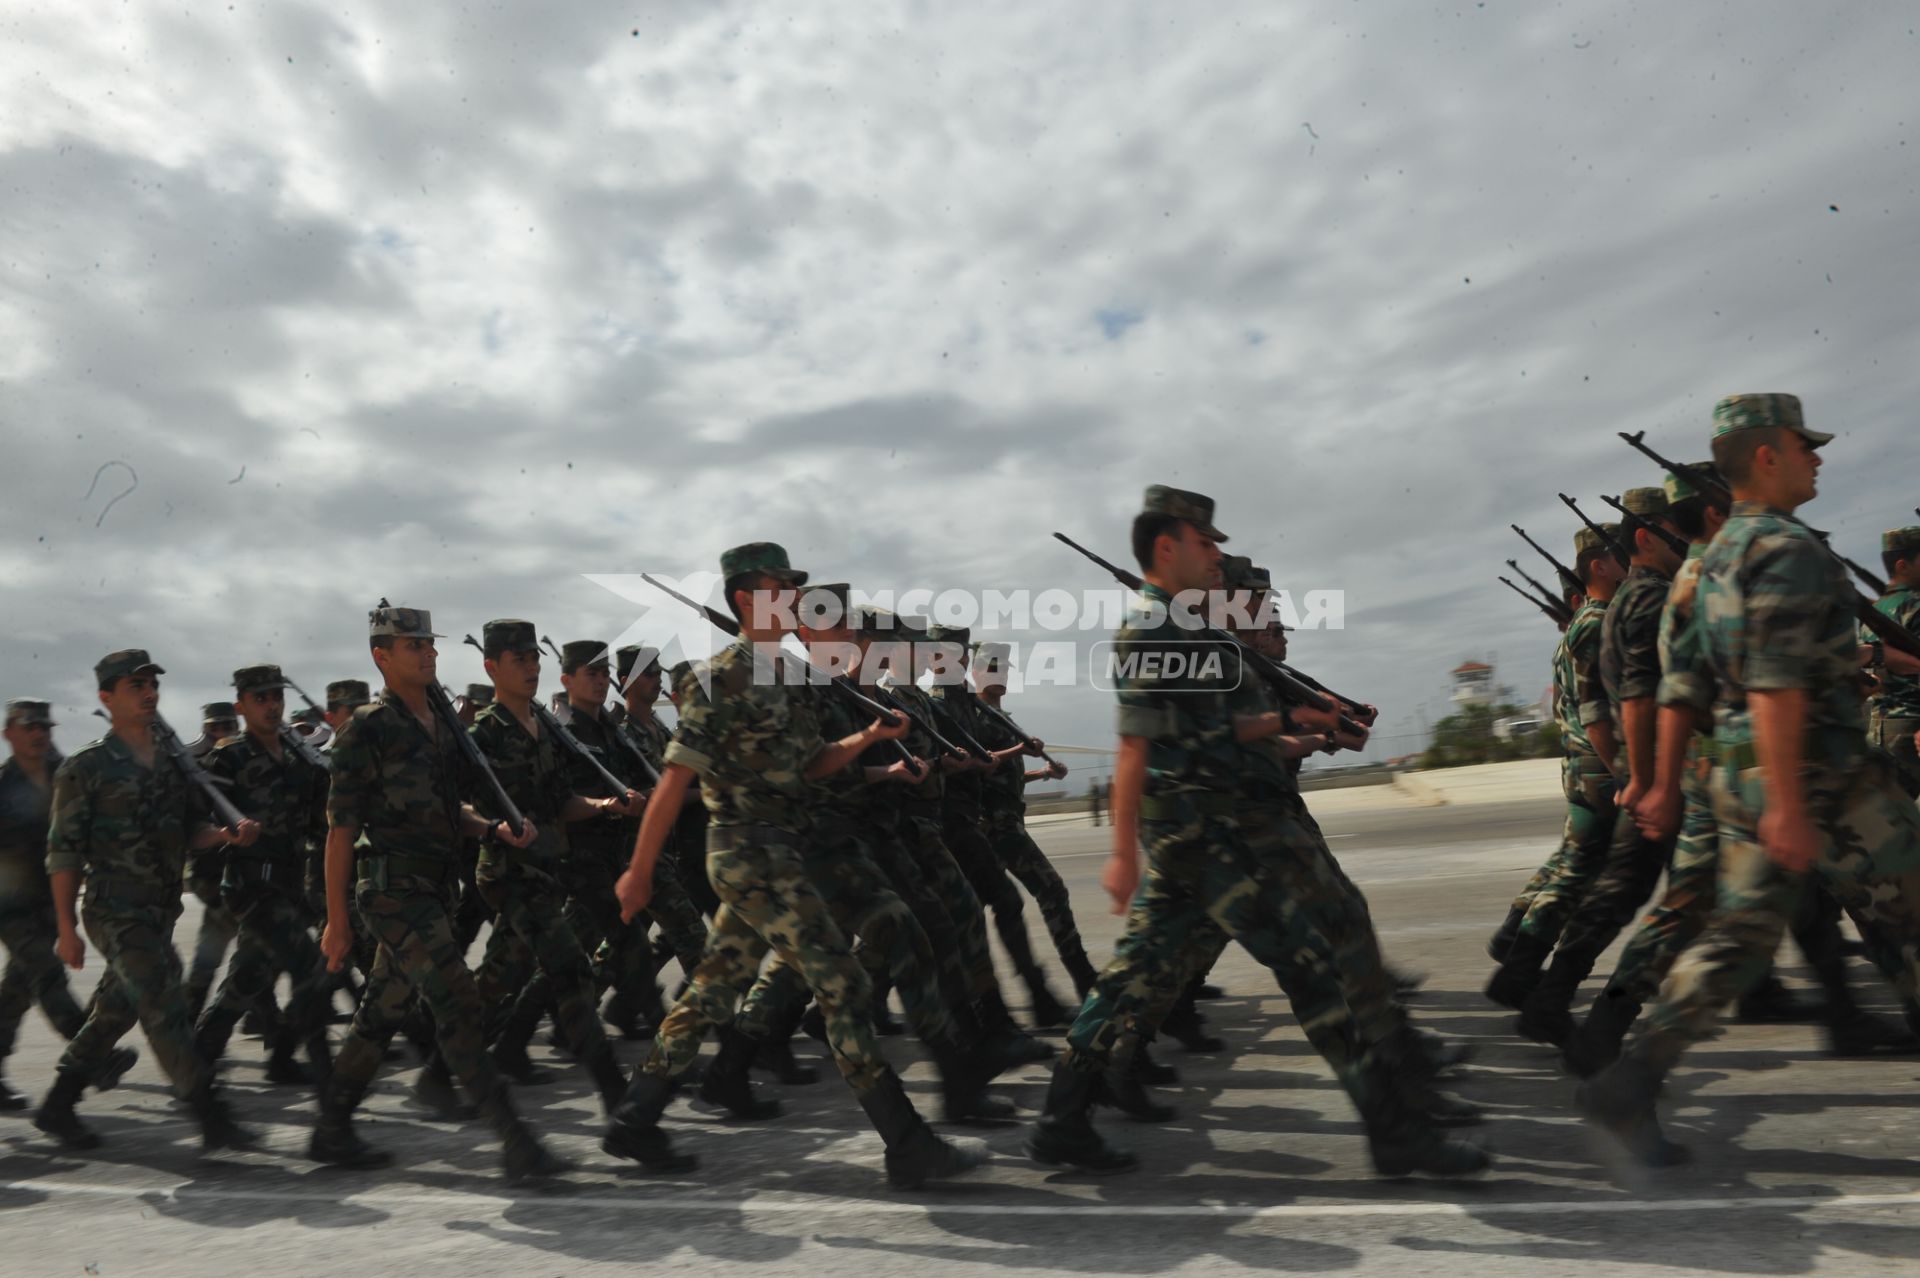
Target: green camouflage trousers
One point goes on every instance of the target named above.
(1022, 857)
(1692, 886)
(539, 941)
(767, 903)
(960, 830)
(1582, 854)
(1896, 737)
(1200, 874)
(1869, 860)
(34, 974)
(273, 939)
(862, 903)
(417, 953)
(218, 927)
(142, 983)
(901, 872)
(921, 838)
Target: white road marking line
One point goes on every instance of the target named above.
(833, 1207)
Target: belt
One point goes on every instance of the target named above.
(256, 869)
(725, 838)
(399, 865)
(1175, 807)
(126, 892)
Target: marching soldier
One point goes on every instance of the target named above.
(124, 820)
(218, 928)
(27, 930)
(1894, 711)
(1797, 791)
(394, 825)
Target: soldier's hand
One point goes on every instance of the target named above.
(1658, 814)
(626, 805)
(1056, 770)
(1790, 839)
(633, 892)
(905, 771)
(1035, 746)
(528, 833)
(336, 942)
(1121, 878)
(879, 730)
(1631, 794)
(1315, 720)
(246, 834)
(70, 949)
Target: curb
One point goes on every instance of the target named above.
(1410, 784)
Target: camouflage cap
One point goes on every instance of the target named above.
(992, 653)
(218, 712)
(1181, 504)
(261, 678)
(308, 715)
(1587, 539)
(347, 692)
(962, 635)
(22, 710)
(761, 556)
(509, 634)
(1648, 503)
(874, 620)
(635, 657)
(401, 623)
(583, 652)
(826, 604)
(127, 661)
(1679, 488)
(1238, 572)
(1757, 412)
(679, 672)
(479, 694)
(1902, 542)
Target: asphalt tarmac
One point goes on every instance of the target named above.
(1804, 1164)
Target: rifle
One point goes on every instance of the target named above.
(293, 740)
(1630, 521)
(887, 697)
(169, 741)
(1885, 628)
(1618, 551)
(970, 742)
(440, 701)
(839, 683)
(1027, 740)
(568, 743)
(635, 753)
(1290, 684)
(1554, 615)
(1544, 593)
(1572, 583)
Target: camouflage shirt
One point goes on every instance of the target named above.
(24, 808)
(955, 714)
(1179, 696)
(287, 796)
(932, 792)
(846, 802)
(533, 772)
(1778, 614)
(1267, 777)
(750, 739)
(649, 736)
(1582, 697)
(601, 736)
(397, 785)
(1003, 790)
(1686, 679)
(1630, 638)
(1899, 695)
(114, 819)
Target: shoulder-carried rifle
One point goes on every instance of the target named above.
(1554, 614)
(1612, 543)
(1571, 583)
(568, 743)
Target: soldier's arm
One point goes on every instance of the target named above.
(635, 887)
(336, 938)
(67, 834)
(835, 755)
(1129, 782)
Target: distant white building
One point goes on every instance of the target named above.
(1473, 685)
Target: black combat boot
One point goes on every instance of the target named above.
(1502, 940)
(56, 1117)
(523, 1156)
(211, 1034)
(1620, 1101)
(776, 1049)
(1596, 1044)
(914, 1154)
(1185, 1026)
(1207, 991)
(964, 1075)
(434, 1092)
(510, 1047)
(1772, 1003)
(1047, 1011)
(281, 1065)
(218, 1127)
(1065, 1134)
(1004, 1039)
(1518, 972)
(882, 1016)
(114, 1068)
(1401, 1141)
(1149, 1071)
(634, 1129)
(1080, 969)
(1121, 1089)
(334, 1141)
(1547, 1016)
(725, 1082)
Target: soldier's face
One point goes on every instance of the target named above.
(410, 663)
(643, 689)
(133, 699)
(769, 607)
(588, 684)
(264, 710)
(337, 716)
(1194, 561)
(29, 741)
(515, 674)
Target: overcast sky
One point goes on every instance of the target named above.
(456, 304)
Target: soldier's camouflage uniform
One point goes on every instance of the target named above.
(525, 887)
(399, 785)
(670, 908)
(126, 827)
(218, 928)
(750, 740)
(34, 974)
(1580, 702)
(1777, 613)
(1894, 711)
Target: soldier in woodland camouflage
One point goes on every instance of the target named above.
(395, 820)
(1797, 790)
(33, 975)
(218, 927)
(755, 740)
(1893, 713)
(124, 819)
